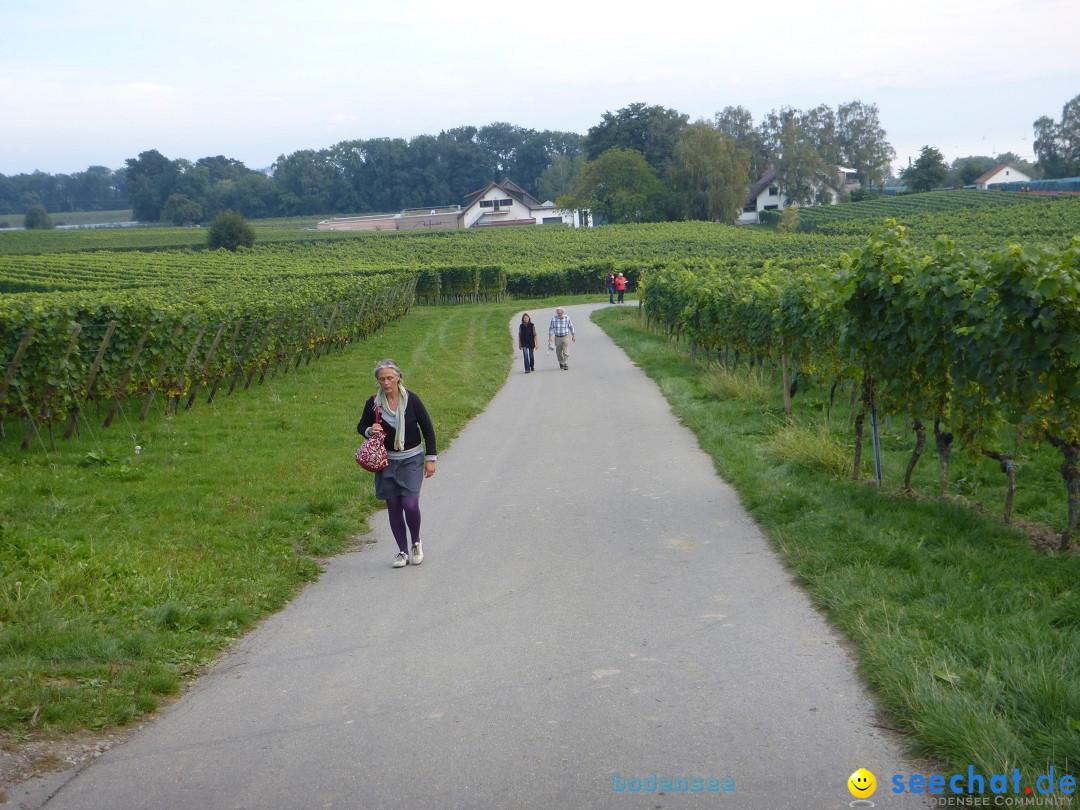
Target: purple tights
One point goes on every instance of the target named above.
(404, 511)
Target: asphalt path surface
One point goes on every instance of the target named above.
(596, 613)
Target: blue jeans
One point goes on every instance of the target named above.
(530, 359)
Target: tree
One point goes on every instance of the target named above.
(151, 178)
(309, 182)
(560, 177)
(966, 170)
(230, 231)
(652, 131)
(37, 219)
(1057, 145)
(738, 124)
(862, 143)
(180, 209)
(621, 186)
(710, 173)
(927, 172)
(798, 146)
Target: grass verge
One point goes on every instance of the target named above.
(969, 636)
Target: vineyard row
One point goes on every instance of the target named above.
(965, 341)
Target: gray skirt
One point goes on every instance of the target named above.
(401, 478)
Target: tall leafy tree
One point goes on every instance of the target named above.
(738, 124)
(862, 143)
(927, 172)
(1057, 144)
(652, 131)
(560, 177)
(710, 173)
(793, 139)
(966, 170)
(621, 187)
(309, 182)
(152, 177)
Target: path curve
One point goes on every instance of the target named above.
(595, 608)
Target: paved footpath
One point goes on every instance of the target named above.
(595, 609)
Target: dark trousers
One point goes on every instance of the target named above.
(530, 359)
(611, 295)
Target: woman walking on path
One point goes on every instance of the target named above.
(528, 342)
(403, 419)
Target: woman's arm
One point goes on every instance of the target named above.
(427, 429)
(367, 419)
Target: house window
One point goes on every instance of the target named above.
(496, 204)
(774, 191)
(771, 207)
(552, 221)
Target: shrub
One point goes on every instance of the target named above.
(230, 231)
(181, 210)
(37, 219)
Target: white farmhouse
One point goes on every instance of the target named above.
(507, 203)
(1002, 173)
(766, 195)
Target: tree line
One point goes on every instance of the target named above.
(640, 163)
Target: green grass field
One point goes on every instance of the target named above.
(131, 556)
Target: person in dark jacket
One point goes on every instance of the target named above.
(528, 342)
(403, 420)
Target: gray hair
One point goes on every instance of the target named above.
(387, 363)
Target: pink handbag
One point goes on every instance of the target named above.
(372, 453)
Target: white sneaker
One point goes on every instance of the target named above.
(417, 554)
(401, 559)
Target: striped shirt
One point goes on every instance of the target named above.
(561, 326)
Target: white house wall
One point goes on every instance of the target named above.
(516, 210)
(1006, 175)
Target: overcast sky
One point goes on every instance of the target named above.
(94, 83)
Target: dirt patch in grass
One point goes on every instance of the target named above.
(45, 753)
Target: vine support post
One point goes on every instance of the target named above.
(197, 384)
(877, 442)
(9, 375)
(229, 352)
(916, 454)
(161, 372)
(127, 374)
(73, 420)
(243, 356)
(1008, 466)
(174, 400)
(785, 366)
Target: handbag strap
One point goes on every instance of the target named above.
(373, 398)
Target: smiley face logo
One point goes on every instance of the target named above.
(862, 784)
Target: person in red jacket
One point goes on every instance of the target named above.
(620, 286)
